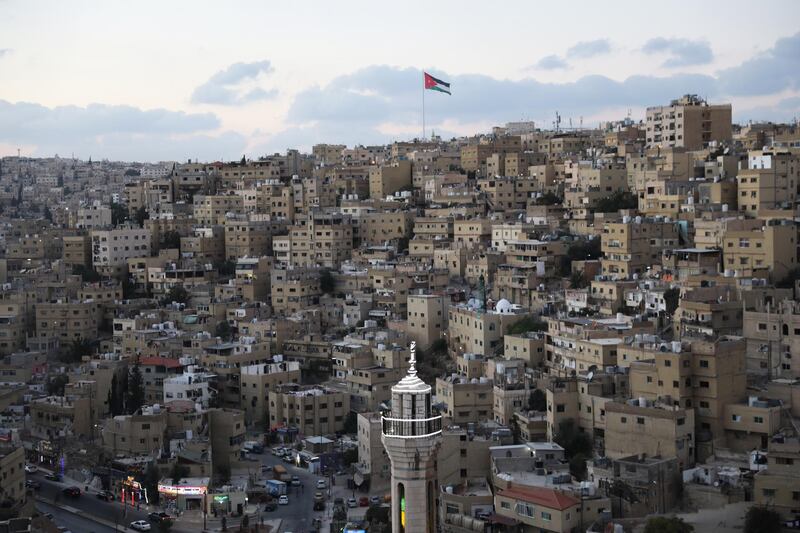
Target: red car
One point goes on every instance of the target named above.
(72, 492)
(363, 501)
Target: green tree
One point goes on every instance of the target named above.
(327, 283)
(78, 349)
(350, 456)
(171, 239)
(178, 472)
(56, 384)
(48, 215)
(225, 268)
(789, 279)
(135, 395)
(762, 520)
(577, 446)
(616, 201)
(537, 401)
(119, 214)
(115, 400)
(665, 524)
(549, 198)
(577, 280)
(223, 330)
(350, 423)
(140, 216)
(88, 275)
(176, 294)
(525, 325)
(672, 298)
(150, 482)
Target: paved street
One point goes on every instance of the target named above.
(296, 516)
(74, 522)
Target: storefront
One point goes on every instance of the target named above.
(188, 493)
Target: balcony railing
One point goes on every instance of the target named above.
(407, 428)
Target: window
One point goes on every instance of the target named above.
(758, 419)
(546, 516)
(703, 363)
(768, 493)
(640, 420)
(505, 505)
(525, 509)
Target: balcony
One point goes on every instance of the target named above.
(407, 428)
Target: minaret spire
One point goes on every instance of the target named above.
(412, 369)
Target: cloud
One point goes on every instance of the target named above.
(116, 132)
(357, 107)
(772, 71)
(587, 49)
(682, 52)
(551, 62)
(230, 86)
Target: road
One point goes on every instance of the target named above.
(87, 503)
(296, 516)
(72, 521)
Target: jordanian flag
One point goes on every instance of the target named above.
(435, 84)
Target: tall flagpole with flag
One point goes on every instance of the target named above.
(429, 83)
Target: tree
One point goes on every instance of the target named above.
(55, 385)
(114, 397)
(525, 325)
(223, 330)
(178, 472)
(672, 298)
(176, 294)
(577, 446)
(664, 524)
(150, 482)
(549, 198)
(350, 456)
(350, 423)
(762, 520)
(171, 239)
(78, 349)
(789, 280)
(537, 401)
(616, 201)
(225, 268)
(119, 214)
(577, 280)
(88, 275)
(140, 216)
(326, 281)
(48, 215)
(134, 399)
(580, 251)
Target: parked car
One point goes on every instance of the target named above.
(52, 476)
(72, 492)
(351, 502)
(283, 500)
(31, 469)
(288, 458)
(363, 501)
(271, 506)
(277, 451)
(321, 484)
(159, 517)
(140, 525)
(295, 480)
(106, 495)
(375, 500)
(318, 497)
(32, 484)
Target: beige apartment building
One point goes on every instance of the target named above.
(539, 508)
(773, 339)
(77, 250)
(688, 122)
(474, 156)
(633, 428)
(426, 318)
(250, 238)
(111, 249)
(530, 347)
(388, 179)
(140, 434)
(476, 331)
(312, 410)
(12, 472)
(770, 182)
(67, 321)
(211, 210)
(631, 246)
(294, 289)
(256, 382)
(466, 400)
(52, 417)
(778, 487)
(373, 462)
(227, 432)
(769, 251)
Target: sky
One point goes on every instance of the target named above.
(178, 80)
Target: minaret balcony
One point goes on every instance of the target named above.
(411, 428)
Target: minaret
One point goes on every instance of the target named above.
(411, 437)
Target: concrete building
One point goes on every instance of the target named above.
(778, 486)
(111, 249)
(688, 122)
(426, 318)
(313, 410)
(258, 380)
(139, 434)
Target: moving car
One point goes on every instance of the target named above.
(318, 497)
(283, 500)
(52, 476)
(158, 517)
(271, 506)
(106, 495)
(374, 500)
(140, 525)
(32, 484)
(295, 480)
(351, 502)
(321, 484)
(31, 469)
(72, 492)
(363, 501)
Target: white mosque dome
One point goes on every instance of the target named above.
(503, 306)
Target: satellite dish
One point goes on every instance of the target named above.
(589, 376)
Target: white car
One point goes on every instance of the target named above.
(351, 502)
(31, 469)
(140, 525)
(321, 484)
(283, 500)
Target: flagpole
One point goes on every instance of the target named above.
(423, 105)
